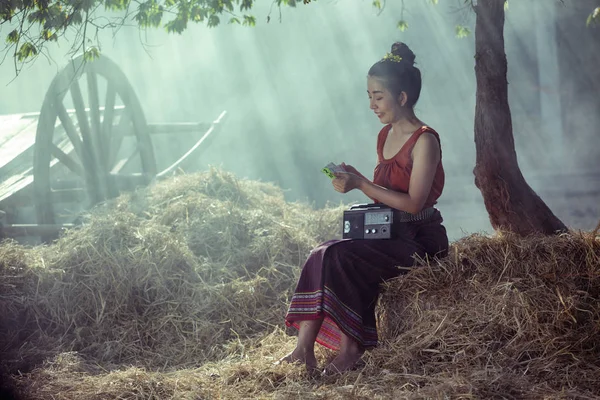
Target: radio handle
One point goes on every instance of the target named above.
(368, 205)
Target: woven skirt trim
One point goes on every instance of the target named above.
(337, 318)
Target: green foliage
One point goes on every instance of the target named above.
(26, 51)
(91, 54)
(213, 21)
(13, 37)
(290, 3)
(462, 31)
(150, 14)
(594, 17)
(115, 4)
(249, 20)
(43, 21)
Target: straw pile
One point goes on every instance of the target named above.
(178, 291)
(162, 277)
(504, 316)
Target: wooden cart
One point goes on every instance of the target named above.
(89, 142)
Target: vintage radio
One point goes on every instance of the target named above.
(368, 221)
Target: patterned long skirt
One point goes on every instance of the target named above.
(340, 280)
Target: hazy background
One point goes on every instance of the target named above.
(295, 93)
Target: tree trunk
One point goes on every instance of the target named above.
(511, 204)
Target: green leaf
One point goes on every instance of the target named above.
(46, 34)
(13, 37)
(377, 4)
(402, 25)
(213, 21)
(86, 5)
(75, 18)
(249, 20)
(246, 5)
(116, 4)
(26, 50)
(462, 31)
(505, 5)
(594, 17)
(235, 20)
(198, 14)
(149, 14)
(91, 54)
(434, 2)
(289, 3)
(176, 25)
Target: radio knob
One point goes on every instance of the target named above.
(367, 231)
(387, 217)
(374, 230)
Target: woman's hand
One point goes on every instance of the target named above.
(351, 169)
(346, 181)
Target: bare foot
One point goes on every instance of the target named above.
(345, 361)
(298, 356)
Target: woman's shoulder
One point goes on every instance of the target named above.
(426, 138)
(427, 131)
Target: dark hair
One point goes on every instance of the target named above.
(399, 76)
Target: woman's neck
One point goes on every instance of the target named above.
(407, 123)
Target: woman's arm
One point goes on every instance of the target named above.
(426, 156)
(352, 170)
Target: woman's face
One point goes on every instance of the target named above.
(382, 102)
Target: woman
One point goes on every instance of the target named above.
(334, 301)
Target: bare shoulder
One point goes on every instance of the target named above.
(427, 142)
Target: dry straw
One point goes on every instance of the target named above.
(503, 316)
(178, 291)
(162, 277)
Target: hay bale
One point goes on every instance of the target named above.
(18, 327)
(233, 226)
(178, 290)
(120, 289)
(501, 317)
(162, 277)
(15, 276)
(500, 312)
(250, 375)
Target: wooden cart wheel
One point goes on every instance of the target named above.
(86, 155)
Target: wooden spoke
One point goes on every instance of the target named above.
(89, 145)
(82, 119)
(117, 137)
(92, 83)
(69, 128)
(123, 162)
(107, 120)
(67, 160)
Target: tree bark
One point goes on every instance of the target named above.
(511, 203)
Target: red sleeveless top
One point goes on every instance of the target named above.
(394, 173)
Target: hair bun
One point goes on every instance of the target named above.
(402, 50)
